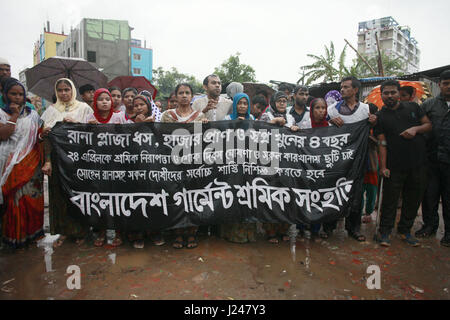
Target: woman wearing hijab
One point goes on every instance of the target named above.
(239, 232)
(318, 118)
(277, 114)
(333, 97)
(241, 108)
(156, 112)
(66, 109)
(20, 168)
(143, 113)
(104, 111)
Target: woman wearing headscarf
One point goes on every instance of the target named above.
(156, 112)
(333, 97)
(143, 113)
(104, 110)
(239, 232)
(241, 108)
(104, 113)
(317, 119)
(277, 114)
(20, 168)
(68, 109)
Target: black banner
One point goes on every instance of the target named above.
(153, 176)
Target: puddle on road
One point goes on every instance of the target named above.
(332, 269)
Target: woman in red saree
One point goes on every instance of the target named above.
(20, 167)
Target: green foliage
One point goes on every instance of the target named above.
(232, 70)
(325, 68)
(391, 66)
(166, 81)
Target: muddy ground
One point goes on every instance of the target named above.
(334, 269)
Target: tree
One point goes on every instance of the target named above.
(232, 70)
(392, 66)
(327, 69)
(166, 81)
(324, 67)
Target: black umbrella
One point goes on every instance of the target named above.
(41, 78)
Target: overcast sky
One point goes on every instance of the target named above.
(273, 36)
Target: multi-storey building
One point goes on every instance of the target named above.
(395, 41)
(141, 59)
(104, 43)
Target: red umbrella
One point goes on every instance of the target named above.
(139, 83)
(422, 92)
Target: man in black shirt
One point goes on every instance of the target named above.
(402, 150)
(438, 110)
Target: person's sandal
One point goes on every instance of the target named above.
(138, 244)
(273, 240)
(100, 240)
(357, 236)
(117, 242)
(192, 242)
(59, 242)
(158, 240)
(324, 235)
(178, 243)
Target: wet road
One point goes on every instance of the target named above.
(332, 269)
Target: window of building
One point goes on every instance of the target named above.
(68, 52)
(92, 56)
(137, 56)
(75, 47)
(136, 70)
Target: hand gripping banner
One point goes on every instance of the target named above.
(155, 176)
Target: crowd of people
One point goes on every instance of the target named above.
(409, 149)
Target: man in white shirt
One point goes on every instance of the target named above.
(214, 106)
(351, 110)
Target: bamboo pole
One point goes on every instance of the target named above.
(362, 58)
(380, 62)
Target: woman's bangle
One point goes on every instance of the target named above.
(10, 122)
(40, 137)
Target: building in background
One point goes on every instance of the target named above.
(108, 45)
(47, 45)
(141, 59)
(395, 41)
(104, 43)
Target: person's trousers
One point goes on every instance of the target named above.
(437, 187)
(411, 183)
(371, 197)
(353, 221)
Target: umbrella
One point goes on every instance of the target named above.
(421, 89)
(41, 78)
(140, 83)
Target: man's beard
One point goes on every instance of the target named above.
(390, 104)
(300, 103)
